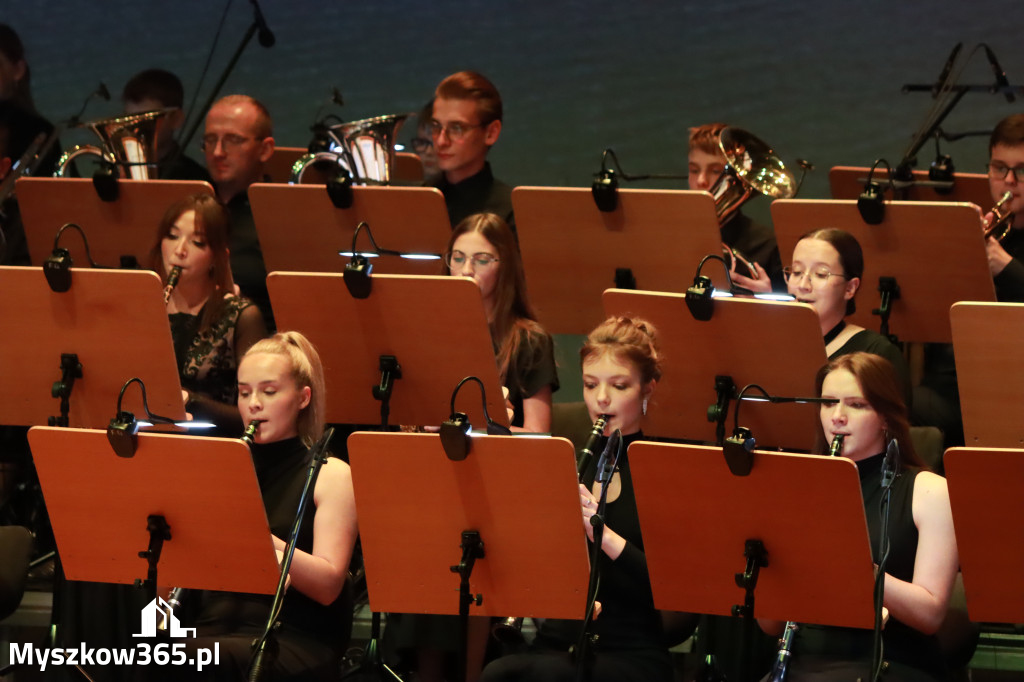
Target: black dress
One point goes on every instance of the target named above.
(531, 370)
(911, 654)
(312, 637)
(630, 644)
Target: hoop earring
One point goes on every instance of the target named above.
(644, 407)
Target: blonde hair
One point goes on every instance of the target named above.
(307, 370)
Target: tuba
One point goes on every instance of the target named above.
(127, 142)
(364, 149)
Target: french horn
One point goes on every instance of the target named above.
(126, 142)
(365, 149)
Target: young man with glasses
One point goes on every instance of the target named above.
(238, 141)
(465, 124)
(1006, 174)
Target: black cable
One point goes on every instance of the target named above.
(700, 266)
(85, 240)
(206, 66)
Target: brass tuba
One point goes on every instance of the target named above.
(364, 149)
(127, 142)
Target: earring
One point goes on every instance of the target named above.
(644, 407)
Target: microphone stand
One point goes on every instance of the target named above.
(605, 467)
(890, 470)
(265, 647)
(259, 24)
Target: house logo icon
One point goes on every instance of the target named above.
(159, 615)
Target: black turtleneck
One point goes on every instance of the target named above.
(480, 193)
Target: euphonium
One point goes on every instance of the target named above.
(752, 168)
(365, 149)
(128, 142)
(172, 281)
(1002, 219)
(510, 630)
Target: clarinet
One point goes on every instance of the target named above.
(178, 593)
(510, 630)
(172, 281)
(786, 641)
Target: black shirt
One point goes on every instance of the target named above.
(480, 193)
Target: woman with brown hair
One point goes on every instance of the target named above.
(211, 326)
(483, 247)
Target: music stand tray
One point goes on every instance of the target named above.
(188, 480)
(935, 252)
(986, 337)
(520, 493)
(125, 227)
(984, 493)
(115, 323)
(775, 344)
(847, 182)
(658, 235)
(435, 327)
(819, 566)
(301, 230)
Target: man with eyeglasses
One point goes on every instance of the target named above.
(237, 142)
(465, 124)
(1006, 174)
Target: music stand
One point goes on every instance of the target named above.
(822, 574)
(989, 367)
(847, 182)
(279, 168)
(534, 559)
(934, 253)
(659, 236)
(110, 326)
(300, 229)
(984, 494)
(775, 344)
(78, 470)
(433, 328)
(117, 229)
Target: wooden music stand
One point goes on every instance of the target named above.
(935, 251)
(112, 320)
(414, 503)
(434, 326)
(408, 169)
(126, 227)
(819, 566)
(279, 168)
(847, 182)
(300, 229)
(571, 250)
(989, 368)
(78, 471)
(984, 493)
(775, 344)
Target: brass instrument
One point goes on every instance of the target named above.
(1002, 219)
(781, 666)
(510, 630)
(364, 149)
(128, 142)
(752, 168)
(178, 593)
(172, 281)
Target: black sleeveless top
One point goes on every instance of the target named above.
(903, 644)
(281, 470)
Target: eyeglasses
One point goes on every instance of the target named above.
(229, 142)
(420, 144)
(817, 275)
(455, 131)
(999, 171)
(456, 259)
